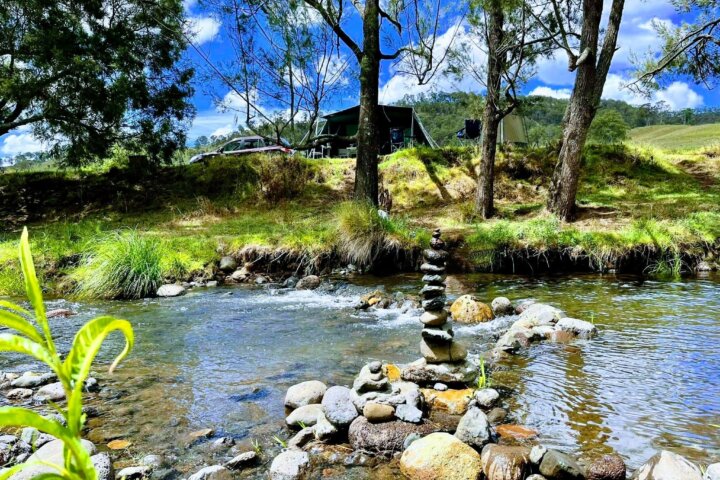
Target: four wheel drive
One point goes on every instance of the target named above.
(242, 146)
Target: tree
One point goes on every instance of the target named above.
(578, 25)
(512, 39)
(609, 128)
(201, 141)
(86, 74)
(413, 25)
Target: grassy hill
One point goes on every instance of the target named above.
(677, 137)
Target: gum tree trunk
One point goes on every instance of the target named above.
(492, 112)
(366, 165)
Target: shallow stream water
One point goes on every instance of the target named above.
(223, 358)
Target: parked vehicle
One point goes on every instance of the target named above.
(243, 146)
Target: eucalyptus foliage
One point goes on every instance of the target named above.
(32, 336)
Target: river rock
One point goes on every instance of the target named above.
(516, 432)
(536, 476)
(579, 328)
(502, 306)
(474, 428)
(422, 372)
(324, 430)
(560, 466)
(496, 415)
(384, 437)
(103, 466)
(377, 412)
(290, 465)
(451, 401)
(537, 314)
(311, 282)
(213, 472)
(171, 290)
(712, 472)
(667, 466)
(434, 319)
(307, 415)
(431, 269)
(537, 453)
(53, 392)
(134, 473)
(408, 413)
(19, 394)
(228, 264)
(435, 257)
(441, 352)
(468, 309)
(440, 456)
(301, 438)
(338, 406)
(442, 334)
(434, 280)
(32, 380)
(503, 462)
(51, 452)
(434, 304)
(305, 393)
(367, 381)
(487, 397)
(243, 460)
(608, 467)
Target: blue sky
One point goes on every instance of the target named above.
(551, 78)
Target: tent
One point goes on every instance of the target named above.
(399, 127)
(512, 129)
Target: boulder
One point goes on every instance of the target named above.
(241, 461)
(311, 282)
(377, 412)
(133, 473)
(307, 415)
(213, 472)
(440, 456)
(51, 452)
(441, 352)
(422, 372)
(338, 406)
(240, 275)
(608, 467)
(579, 328)
(486, 397)
(52, 392)
(537, 314)
(474, 428)
(560, 466)
(289, 465)
(503, 462)
(467, 309)
(228, 264)
(384, 437)
(667, 466)
(454, 402)
(324, 430)
(171, 290)
(712, 472)
(502, 306)
(305, 393)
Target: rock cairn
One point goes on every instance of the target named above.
(437, 344)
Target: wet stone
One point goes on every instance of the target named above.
(435, 257)
(434, 318)
(432, 291)
(439, 334)
(434, 280)
(432, 269)
(434, 304)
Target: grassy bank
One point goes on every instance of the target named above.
(634, 202)
(677, 138)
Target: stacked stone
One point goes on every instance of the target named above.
(437, 344)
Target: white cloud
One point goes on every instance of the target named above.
(203, 29)
(679, 95)
(551, 92)
(222, 131)
(554, 70)
(15, 144)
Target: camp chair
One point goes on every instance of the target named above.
(397, 139)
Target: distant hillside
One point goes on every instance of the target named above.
(677, 137)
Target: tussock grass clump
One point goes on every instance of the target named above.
(363, 235)
(125, 265)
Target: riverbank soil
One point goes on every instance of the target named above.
(641, 210)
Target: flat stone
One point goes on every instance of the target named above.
(51, 452)
(454, 402)
(434, 352)
(53, 392)
(537, 314)
(385, 437)
(289, 465)
(305, 393)
(408, 413)
(434, 318)
(435, 256)
(422, 372)
(243, 460)
(560, 466)
(305, 415)
(438, 334)
(440, 456)
(171, 290)
(338, 406)
(579, 328)
(434, 279)
(19, 394)
(32, 380)
(311, 282)
(434, 304)
(301, 438)
(432, 269)
(214, 472)
(432, 291)
(377, 412)
(517, 432)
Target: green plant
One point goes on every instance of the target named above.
(302, 424)
(280, 441)
(256, 446)
(124, 265)
(34, 338)
(483, 380)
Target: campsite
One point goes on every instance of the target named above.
(359, 240)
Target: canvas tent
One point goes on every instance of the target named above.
(398, 126)
(512, 129)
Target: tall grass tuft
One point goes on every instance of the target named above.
(363, 235)
(124, 265)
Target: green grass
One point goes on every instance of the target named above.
(677, 138)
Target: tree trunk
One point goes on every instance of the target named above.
(492, 112)
(366, 165)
